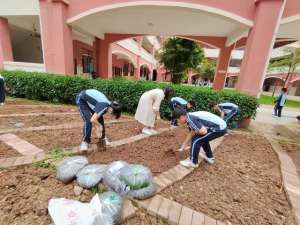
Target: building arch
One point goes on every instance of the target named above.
(124, 55)
(80, 9)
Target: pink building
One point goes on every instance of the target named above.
(63, 36)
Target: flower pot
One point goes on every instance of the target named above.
(244, 123)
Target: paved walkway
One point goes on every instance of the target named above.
(265, 115)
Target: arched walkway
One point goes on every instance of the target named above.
(122, 65)
(273, 84)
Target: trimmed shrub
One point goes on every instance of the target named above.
(63, 89)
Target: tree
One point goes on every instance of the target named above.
(290, 61)
(178, 55)
(207, 68)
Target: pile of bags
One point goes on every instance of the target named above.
(102, 209)
(121, 177)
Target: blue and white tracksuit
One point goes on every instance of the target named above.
(2, 89)
(216, 127)
(176, 102)
(229, 109)
(89, 102)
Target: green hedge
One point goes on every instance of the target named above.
(63, 89)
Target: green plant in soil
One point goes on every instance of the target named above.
(54, 155)
(98, 190)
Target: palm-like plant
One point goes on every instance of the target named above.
(290, 60)
(178, 55)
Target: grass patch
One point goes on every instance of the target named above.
(269, 100)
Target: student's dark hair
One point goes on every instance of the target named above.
(212, 104)
(298, 118)
(117, 109)
(169, 92)
(179, 111)
(192, 103)
(284, 90)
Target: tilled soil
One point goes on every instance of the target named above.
(36, 121)
(293, 150)
(244, 185)
(6, 151)
(25, 195)
(49, 139)
(142, 218)
(155, 152)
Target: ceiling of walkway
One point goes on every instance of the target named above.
(158, 20)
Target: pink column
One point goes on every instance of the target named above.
(138, 64)
(5, 43)
(222, 67)
(56, 37)
(104, 58)
(259, 44)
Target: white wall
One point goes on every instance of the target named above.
(39, 67)
(19, 7)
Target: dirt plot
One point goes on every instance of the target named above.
(6, 151)
(142, 218)
(25, 195)
(244, 186)
(293, 150)
(49, 139)
(155, 152)
(36, 121)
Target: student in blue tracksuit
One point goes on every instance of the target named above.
(92, 105)
(280, 102)
(225, 110)
(2, 90)
(176, 102)
(204, 127)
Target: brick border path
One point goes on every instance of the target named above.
(56, 127)
(290, 178)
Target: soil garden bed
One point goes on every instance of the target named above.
(63, 138)
(36, 121)
(6, 151)
(244, 186)
(25, 195)
(155, 152)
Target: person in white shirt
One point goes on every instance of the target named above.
(148, 108)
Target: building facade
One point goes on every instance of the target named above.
(53, 31)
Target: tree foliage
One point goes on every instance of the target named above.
(207, 68)
(178, 55)
(290, 61)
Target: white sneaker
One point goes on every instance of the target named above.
(105, 141)
(84, 146)
(1, 103)
(146, 131)
(209, 160)
(153, 131)
(188, 163)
